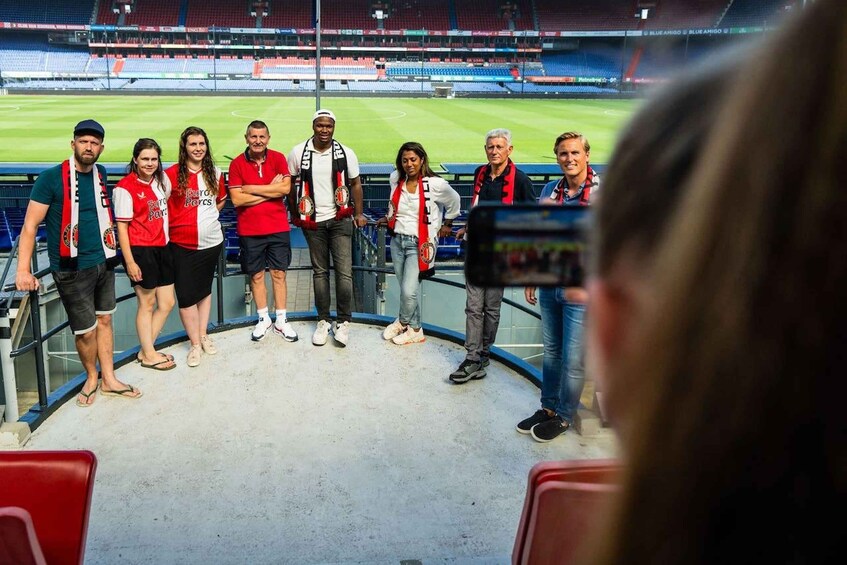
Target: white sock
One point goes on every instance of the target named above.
(263, 313)
(280, 316)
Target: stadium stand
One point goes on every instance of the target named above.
(490, 15)
(154, 13)
(352, 14)
(477, 46)
(235, 13)
(418, 14)
(289, 14)
(755, 12)
(587, 15)
(47, 12)
(687, 14)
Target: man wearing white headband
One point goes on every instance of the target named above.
(327, 204)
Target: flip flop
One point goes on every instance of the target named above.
(123, 393)
(168, 355)
(156, 366)
(87, 396)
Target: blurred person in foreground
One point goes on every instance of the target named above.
(562, 309)
(141, 212)
(196, 240)
(419, 199)
(498, 181)
(82, 245)
(724, 366)
(258, 185)
(328, 206)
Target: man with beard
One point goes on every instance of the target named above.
(81, 243)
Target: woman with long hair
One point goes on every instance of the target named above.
(724, 375)
(141, 213)
(196, 238)
(418, 202)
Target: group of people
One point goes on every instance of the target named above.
(716, 302)
(166, 224)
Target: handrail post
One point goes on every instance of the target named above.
(7, 367)
(219, 280)
(35, 321)
(380, 256)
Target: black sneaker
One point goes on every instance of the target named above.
(484, 362)
(467, 370)
(540, 416)
(549, 430)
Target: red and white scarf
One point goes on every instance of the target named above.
(558, 194)
(508, 182)
(427, 227)
(69, 240)
(306, 207)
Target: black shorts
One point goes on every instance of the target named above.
(265, 251)
(194, 271)
(157, 266)
(85, 295)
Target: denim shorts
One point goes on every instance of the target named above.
(85, 295)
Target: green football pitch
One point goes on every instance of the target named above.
(37, 128)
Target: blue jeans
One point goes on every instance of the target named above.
(563, 370)
(404, 256)
(332, 237)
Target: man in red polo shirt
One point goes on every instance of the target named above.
(258, 183)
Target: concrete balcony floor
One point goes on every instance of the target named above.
(276, 452)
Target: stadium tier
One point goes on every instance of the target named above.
(382, 46)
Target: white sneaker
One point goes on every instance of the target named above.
(393, 329)
(286, 331)
(208, 345)
(410, 336)
(321, 333)
(261, 329)
(341, 333)
(194, 356)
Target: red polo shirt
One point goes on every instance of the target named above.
(268, 217)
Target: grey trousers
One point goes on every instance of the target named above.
(482, 316)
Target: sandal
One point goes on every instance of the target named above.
(124, 393)
(168, 355)
(87, 396)
(158, 367)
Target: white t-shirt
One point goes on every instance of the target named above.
(324, 193)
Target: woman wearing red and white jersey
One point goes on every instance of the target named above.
(196, 238)
(141, 213)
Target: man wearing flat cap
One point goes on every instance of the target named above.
(327, 205)
(75, 202)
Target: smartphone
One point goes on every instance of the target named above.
(526, 245)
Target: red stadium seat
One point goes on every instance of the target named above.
(18, 542)
(562, 498)
(55, 487)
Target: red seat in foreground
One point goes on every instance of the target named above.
(562, 498)
(55, 487)
(18, 542)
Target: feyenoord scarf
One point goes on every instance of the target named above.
(69, 240)
(508, 182)
(426, 240)
(561, 189)
(305, 187)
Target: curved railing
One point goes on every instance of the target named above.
(369, 260)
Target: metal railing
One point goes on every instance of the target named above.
(369, 258)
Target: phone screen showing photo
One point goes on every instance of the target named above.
(526, 245)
